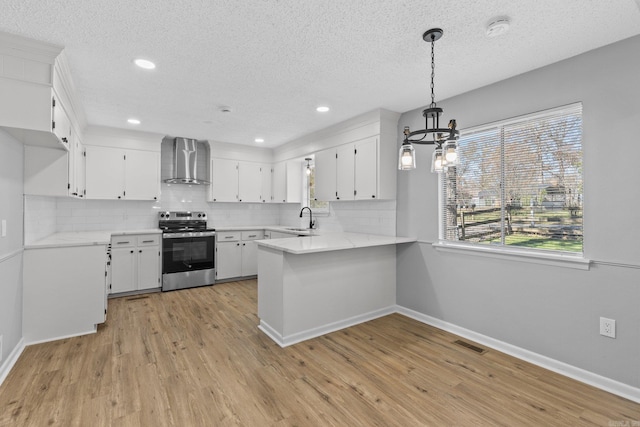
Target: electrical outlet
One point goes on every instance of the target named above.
(607, 327)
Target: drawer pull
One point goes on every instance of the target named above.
(123, 243)
(147, 241)
(253, 235)
(228, 237)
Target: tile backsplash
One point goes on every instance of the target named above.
(40, 218)
(47, 215)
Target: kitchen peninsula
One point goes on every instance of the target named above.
(318, 284)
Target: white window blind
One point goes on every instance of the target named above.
(518, 183)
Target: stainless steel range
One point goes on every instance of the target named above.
(188, 250)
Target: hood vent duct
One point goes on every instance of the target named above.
(185, 161)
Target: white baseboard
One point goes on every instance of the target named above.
(271, 333)
(8, 364)
(603, 383)
(284, 341)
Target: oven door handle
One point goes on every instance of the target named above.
(188, 234)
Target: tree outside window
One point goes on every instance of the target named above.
(518, 183)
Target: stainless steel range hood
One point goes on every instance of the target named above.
(185, 161)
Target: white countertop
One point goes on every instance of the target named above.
(332, 242)
(83, 238)
(280, 228)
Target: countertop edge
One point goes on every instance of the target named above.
(338, 246)
(280, 228)
(83, 238)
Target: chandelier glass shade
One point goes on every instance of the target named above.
(444, 138)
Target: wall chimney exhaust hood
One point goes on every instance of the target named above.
(185, 161)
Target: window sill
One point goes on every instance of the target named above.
(553, 259)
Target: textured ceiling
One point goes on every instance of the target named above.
(274, 61)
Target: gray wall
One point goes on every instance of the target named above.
(11, 171)
(552, 311)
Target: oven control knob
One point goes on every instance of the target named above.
(199, 215)
(162, 215)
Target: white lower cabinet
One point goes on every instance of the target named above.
(228, 255)
(135, 263)
(64, 291)
(237, 253)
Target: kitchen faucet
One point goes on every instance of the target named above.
(311, 223)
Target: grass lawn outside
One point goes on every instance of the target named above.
(540, 242)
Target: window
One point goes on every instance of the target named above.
(310, 191)
(518, 184)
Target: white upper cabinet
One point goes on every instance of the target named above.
(366, 169)
(335, 169)
(33, 114)
(345, 172)
(356, 171)
(105, 173)
(287, 182)
(326, 166)
(266, 176)
(240, 181)
(54, 172)
(36, 106)
(279, 182)
(61, 124)
(115, 173)
(249, 182)
(80, 163)
(224, 180)
(142, 175)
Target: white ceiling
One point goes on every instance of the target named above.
(274, 61)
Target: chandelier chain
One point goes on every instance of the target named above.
(433, 73)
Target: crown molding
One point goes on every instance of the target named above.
(22, 47)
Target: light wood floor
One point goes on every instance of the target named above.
(196, 358)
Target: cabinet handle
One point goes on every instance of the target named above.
(228, 237)
(147, 241)
(244, 244)
(253, 235)
(131, 251)
(119, 197)
(373, 196)
(122, 243)
(140, 251)
(237, 244)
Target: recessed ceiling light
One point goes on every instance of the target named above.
(144, 63)
(498, 26)
(133, 121)
(259, 140)
(322, 109)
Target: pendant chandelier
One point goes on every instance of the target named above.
(445, 153)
